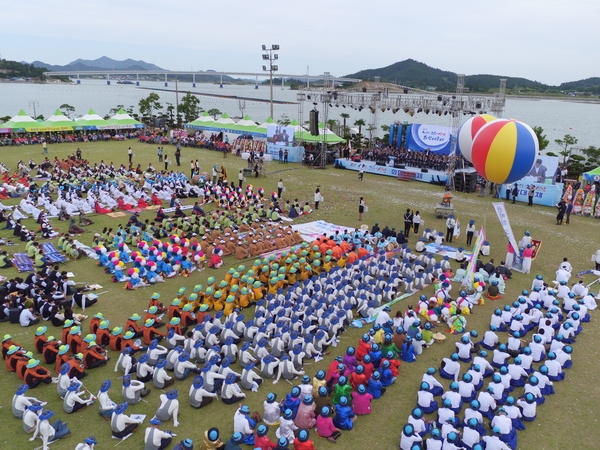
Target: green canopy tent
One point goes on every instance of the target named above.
(59, 122)
(204, 122)
(91, 121)
(22, 123)
(122, 120)
(330, 136)
(262, 128)
(592, 175)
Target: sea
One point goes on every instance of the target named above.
(556, 117)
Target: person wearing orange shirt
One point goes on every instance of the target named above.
(187, 317)
(154, 301)
(132, 324)
(12, 356)
(36, 374)
(21, 364)
(175, 308)
(115, 339)
(94, 356)
(95, 322)
(153, 314)
(150, 333)
(74, 340)
(50, 350)
(103, 335)
(362, 252)
(302, 442)
(40, 339)
(7, 342)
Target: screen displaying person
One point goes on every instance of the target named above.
(538, 171)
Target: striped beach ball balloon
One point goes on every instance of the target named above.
(467, 132)
(504, 151)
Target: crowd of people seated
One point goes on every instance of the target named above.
(413, 158)
(70, 137)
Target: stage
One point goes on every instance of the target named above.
(408, 173)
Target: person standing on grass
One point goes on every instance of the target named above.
(361, 208)
(361, 172)
(280, 188)
(530, 195)
(450, 224)
(178, 155)
(318, 198)
(159, 152)
(285, 156)
(241, 177)
(416, 222)
(515, 192)
(130, 154)
(167, 162)
(408, 220)
(568, 212)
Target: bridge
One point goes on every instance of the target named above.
(173, 74)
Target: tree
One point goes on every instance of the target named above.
(149, 104)
(331, 124)
(593, 156)
(189, 107)
(360, 123)
(370, 129)
(285, 120)
(214, 112)
(67, 109)
(345, 129)
(539, 132)
(386, 131)
(115, 110)
(566, 144)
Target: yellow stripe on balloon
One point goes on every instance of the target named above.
(501, 154)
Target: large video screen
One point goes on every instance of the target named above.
(280, 135)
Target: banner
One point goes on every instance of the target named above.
(544, 194)
(435, 138)
(468, 281)
(503, 218)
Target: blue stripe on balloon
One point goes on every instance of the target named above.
(526, 153)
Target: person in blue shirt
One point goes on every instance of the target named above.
(374, 386)
(408, 351)
(344, 417)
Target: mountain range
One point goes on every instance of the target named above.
(410, 73)
(102, 63)
(419, 75)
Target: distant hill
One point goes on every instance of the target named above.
(419, 75)
(591, 85)
(13, 69)
(102, 63)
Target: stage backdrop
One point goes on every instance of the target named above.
(421, 137)
(295, 154)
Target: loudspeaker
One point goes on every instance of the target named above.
(314, 122)
(465, 182)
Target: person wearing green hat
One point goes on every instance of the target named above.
(150, 332)
(132, 324)
(36, 374)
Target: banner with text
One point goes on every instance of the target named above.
(423, 137)
(503, 218)
(468, 281)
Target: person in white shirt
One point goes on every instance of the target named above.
(88, 444)
(107, 406)
(30, 417)
(49, 433)
(243, 424)
(74, 400)
(21, 402)
(528, 406)
(27, 317)
(409, 437)
(121, 424)
(169, 407)
(154, 438)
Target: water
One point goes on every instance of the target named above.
(556, 117)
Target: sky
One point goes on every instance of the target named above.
(547, 41)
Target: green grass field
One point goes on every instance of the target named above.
(566, 420)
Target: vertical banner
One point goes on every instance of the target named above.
(503, 218)
(392, 131)
(468, 281)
